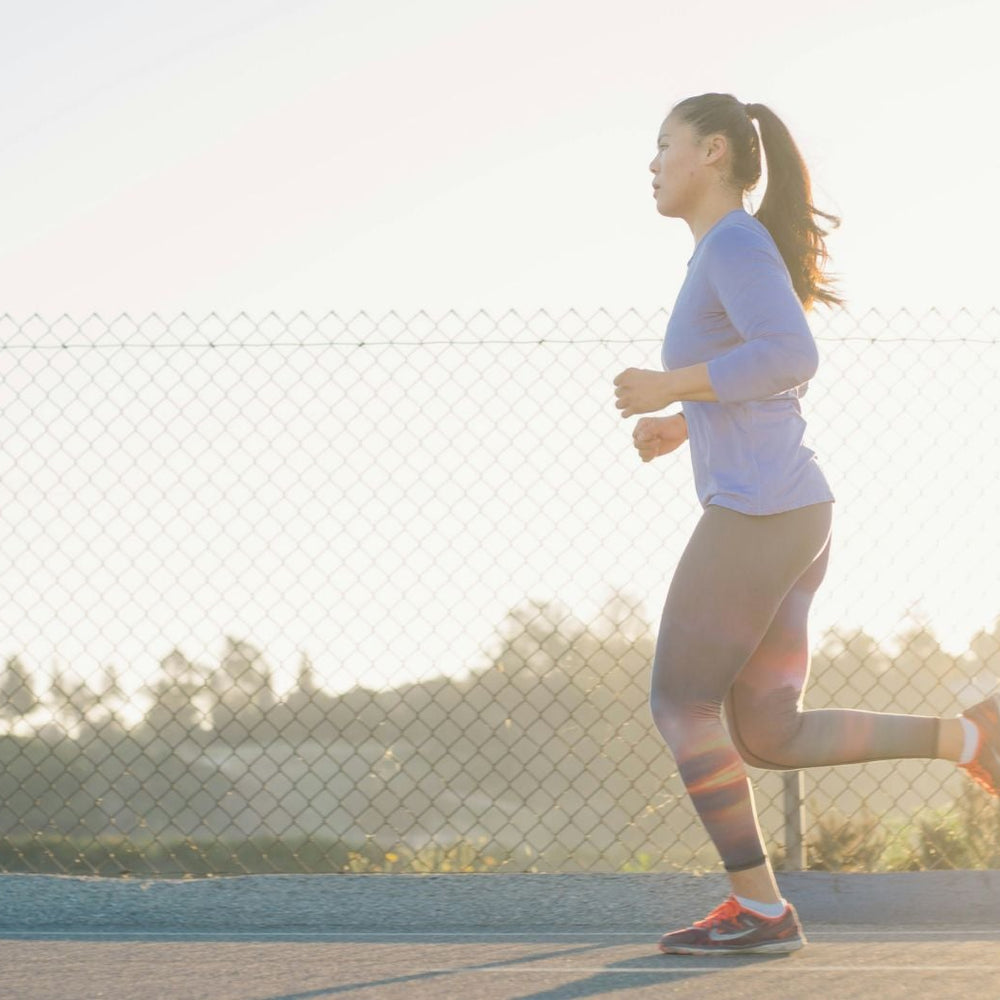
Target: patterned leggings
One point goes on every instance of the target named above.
(734, 633)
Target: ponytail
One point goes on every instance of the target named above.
(788, 212)
(786, 208)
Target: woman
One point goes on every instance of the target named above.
(737, 355)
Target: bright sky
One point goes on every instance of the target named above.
(253, 155)
(287, 155)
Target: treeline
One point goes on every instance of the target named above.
(235, 701)
(546, 660)
(547, 749)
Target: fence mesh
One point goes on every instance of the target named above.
(380, 594)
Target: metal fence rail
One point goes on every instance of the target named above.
(380, 594)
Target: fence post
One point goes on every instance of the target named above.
(795, 821)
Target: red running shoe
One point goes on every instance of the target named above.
(732, 930)
(985, 768)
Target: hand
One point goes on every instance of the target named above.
(655, 436)
(641, 391)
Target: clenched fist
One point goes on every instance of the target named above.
(639, 390)
(655, 436)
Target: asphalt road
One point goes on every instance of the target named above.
(486, 937)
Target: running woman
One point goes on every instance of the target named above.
(737, 356)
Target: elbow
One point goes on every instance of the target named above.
(801, 365)
(806, 365)
(763, 369)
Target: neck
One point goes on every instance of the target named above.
(712, 208)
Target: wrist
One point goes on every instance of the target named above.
(691, 384)
(668, 388)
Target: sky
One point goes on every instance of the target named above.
(283, 155)
(257, 155)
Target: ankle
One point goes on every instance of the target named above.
(950, 739)
(763, 909)
(956, 738)
(756, 883)
(973, 737)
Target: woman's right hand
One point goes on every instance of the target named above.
(655, 436)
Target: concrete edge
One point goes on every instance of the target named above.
(324, 904)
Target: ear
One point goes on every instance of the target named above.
(715, 147)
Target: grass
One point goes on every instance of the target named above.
(965, 835)
(46, 853)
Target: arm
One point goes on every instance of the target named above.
(639, 390)
(778, 351)
(692, 384)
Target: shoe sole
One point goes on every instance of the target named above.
(765, 948)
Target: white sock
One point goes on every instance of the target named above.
(770, 910)
(971, 744)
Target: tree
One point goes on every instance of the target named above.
(71, 697)
(178, 693)
(243, 689)
(17, 694)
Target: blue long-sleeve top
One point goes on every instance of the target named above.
(737, 311)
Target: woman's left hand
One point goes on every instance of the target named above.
(639, 390)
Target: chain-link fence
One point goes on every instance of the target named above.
(380, 594)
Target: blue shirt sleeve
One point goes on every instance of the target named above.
(777, 352)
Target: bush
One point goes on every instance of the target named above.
(841, 844)
(965, 835)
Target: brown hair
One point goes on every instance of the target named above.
(786, 209)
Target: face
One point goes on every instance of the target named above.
(680, 168)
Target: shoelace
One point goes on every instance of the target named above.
(726, 911)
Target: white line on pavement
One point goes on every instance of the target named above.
(814, 934)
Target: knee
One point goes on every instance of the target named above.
(763, 755)
(763, 729)
(664, 713)
(681, 721)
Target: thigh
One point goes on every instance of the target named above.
(782, 657)
(765, 699)
(730, 582)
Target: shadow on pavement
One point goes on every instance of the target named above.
(432, 974)
(624, 975)
(633, 973)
